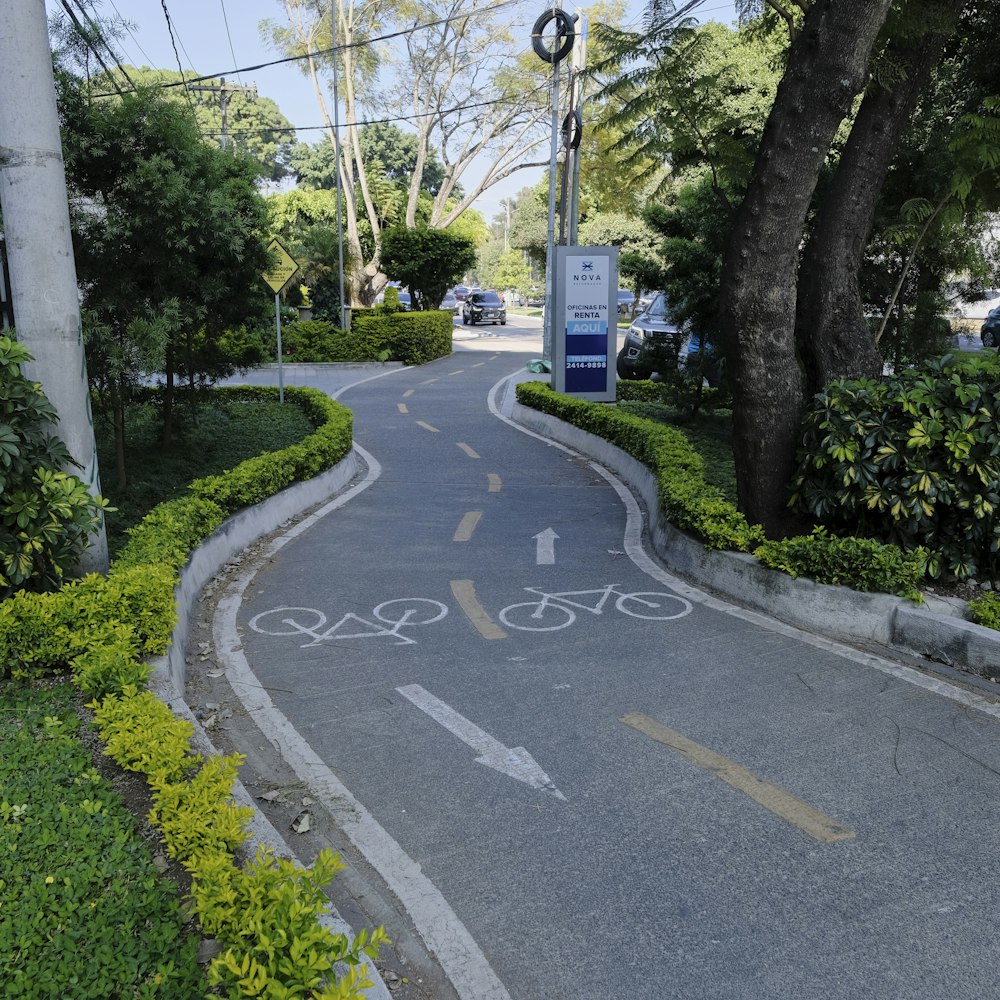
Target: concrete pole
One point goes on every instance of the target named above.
(39, 246)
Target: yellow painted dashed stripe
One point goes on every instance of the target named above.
(793, 810)
(467, 526)
(464, 592)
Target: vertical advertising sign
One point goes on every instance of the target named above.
(586, 321)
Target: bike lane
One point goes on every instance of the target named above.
(646, 875)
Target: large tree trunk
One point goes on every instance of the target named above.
(833, 338)
(827, 64)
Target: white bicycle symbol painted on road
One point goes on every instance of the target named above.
(401, 612)
(555, 611)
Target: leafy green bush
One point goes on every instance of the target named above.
(46, 515)
(318, 341)
(692, 504)
(985, 610)
(83, 911)
(914, 461)
(102, 628)
(411, 337)
(860, 563)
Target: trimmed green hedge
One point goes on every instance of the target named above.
(266, 918)
(685, 498)
(411, 337)
(693, 505)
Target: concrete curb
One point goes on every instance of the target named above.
(234, 535)
(935, 631)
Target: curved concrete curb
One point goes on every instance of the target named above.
(167, 683)
(935, 631)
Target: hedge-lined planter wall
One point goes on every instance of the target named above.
(268, 918)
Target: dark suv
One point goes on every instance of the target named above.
(483, 307)
(654, 342)
(990, 331)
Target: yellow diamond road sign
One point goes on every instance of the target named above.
(281, 273)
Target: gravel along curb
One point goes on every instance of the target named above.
(936, 631)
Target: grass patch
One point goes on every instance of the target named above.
(84, 912)
(209, 438)
(710, 434)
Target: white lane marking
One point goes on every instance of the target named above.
(545, 547)
(445, 935)
(515, 762)
(644, 562)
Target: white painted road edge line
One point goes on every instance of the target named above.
(638, 555)
(445, 935)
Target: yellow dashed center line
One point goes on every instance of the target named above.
(427, 427)
(409, 392)
(465, 593)
(494, 480)
(467, 526)
(402, 408)
(479, 364)
(461, 371)
(468, 450)
(428, 381)
(793, 810)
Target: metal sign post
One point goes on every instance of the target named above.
(585, 319)
(277, 278)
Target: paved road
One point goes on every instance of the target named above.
(612, 792)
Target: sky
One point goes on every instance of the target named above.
(218, 37)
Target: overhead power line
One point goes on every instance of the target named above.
(85, 37)
(184, 81)
(225, 21)
(377, 121)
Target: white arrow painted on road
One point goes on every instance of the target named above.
(545, 553)
(515, 762)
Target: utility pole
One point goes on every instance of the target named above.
(44, 292)
(225, 92)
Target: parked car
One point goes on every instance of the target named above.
(990, 332)
(461, 292)
(653, 338)
(483, 307)
(450, 303)
(405, 300)
(626, 300)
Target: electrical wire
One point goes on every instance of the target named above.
(88, 41)
(96, 29)
(381, 121)
(173, 43)
(225, 21)
(324, 52)
(128, 28)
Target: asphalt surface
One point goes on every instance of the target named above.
(710, 809)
